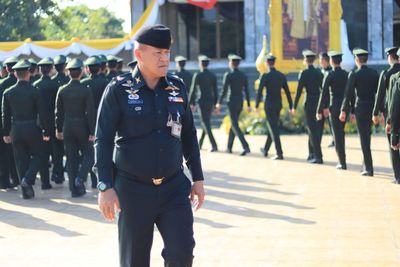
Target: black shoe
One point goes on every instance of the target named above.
(332, 144)
(316, 161)
(27, 189)
(80, 186)
(310, 157)
(214, 149)
(341, 167)
(278, 157)
(264, 152)
(46, 186)
(228, 150)
(245, 151)
(75, 193)
(58, 179)
(367, 173)
(395, 181)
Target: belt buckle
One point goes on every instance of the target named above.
(158, 181)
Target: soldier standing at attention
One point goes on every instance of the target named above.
(234, 83)
(112, 67)
(8, 169)
(204, 92)
(34, 71)
(20, 128)
(273, 82)
(75, 123)
(181, 72)
(97, 84)
(149, 111)
(332, 93)
(359, 99)
(47, 89)
(311, 79)
(59, 64)
(382, 102)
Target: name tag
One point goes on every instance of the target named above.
(176, 129)
(175, 99)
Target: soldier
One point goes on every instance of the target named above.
(206, 83)
(382, 100)
(120, 64)
(7, 163)
(59, 64)
(47, 89)
(359, 99)
(97, 84)
(185, 75)
(325, 69)
(112, 67)
(311, 79)
(149, 109)
(20, 128)
(75, 123)
(34, 71)
(273, 82)
(332, 93)
(234, 83)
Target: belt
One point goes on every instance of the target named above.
(156, 181)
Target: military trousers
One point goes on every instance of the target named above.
(394, 157)
(7, 165)
(338, 131)
(363, 114)
(314, 128)
(234, 113)
(205, 117)
(144, 205)
(273, 130)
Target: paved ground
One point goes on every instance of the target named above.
(259, 212)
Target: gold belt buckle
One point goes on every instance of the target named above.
(158, 181)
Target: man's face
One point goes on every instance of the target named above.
(323, 62)
(154, 60)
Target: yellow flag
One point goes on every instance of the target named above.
(260, 61)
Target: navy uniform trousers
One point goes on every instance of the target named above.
(144, 205)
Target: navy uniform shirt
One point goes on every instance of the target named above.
(133, 119)
(310, 78)
(333, 88)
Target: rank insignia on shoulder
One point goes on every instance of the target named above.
(137, 79)
(175, 99)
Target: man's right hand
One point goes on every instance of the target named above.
(108, 204)
(375, 119)
(59, 136)
(7, 139)
(193, 108)
(388, 128)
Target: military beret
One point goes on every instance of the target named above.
(360, 52)
(120, 60)
(333, 53)
(391, 50)
(32, 61)
(308, 53)
(93, 60)
(132, 64)
(234, 57)
(270, 57)
(46, 61)
(203, 58)
(75, 63)
(22, 64)
(158, 36)
(180, 58)
(61, 59)
(111, 58)
(10, 61)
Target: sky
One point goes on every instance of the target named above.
(119, 7)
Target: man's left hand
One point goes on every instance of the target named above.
(197, 195)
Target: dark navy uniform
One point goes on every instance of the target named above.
(333, 92)
(359, 99)
(273, 81)
(381, 106)
(147, 154)
(311, 79)
(394, 114)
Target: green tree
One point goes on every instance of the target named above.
(20, 19)
(82, 22)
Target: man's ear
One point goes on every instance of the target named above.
(138, 54)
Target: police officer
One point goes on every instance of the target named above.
(359, 99)
(273, 82)
(204, 92)
(59, 64)
(234, 83)
(47, 89)
(149, 109)
(181, 72)
(112, 67)
(20, 127)
(120, 64)
(381, 102)
(7, 163)
(326, 68)
(311, 79)
(75, 123)
(97, 84)
(332, 93)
